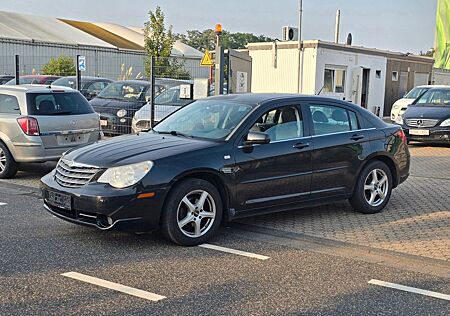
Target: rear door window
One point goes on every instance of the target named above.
(9, 104)
(59, 103)
(329, 119)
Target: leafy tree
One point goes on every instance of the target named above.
(61, 66)
(158, 42)
(429, 53)
(206, 39)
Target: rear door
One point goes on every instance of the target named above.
(65, 119)
(340, 146)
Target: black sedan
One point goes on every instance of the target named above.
(227, 157)
(428, 118)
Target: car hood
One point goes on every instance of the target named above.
(128, 149)
(403, 102)
(112, 106)
(428, 112)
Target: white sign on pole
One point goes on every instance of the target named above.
(82, 63)
(241, 85)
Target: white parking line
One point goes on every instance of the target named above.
(3, 204)
(410, 289)
(114, 286)
(234, 251)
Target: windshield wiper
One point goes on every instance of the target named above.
(174, 133)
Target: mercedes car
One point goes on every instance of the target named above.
(227, 157)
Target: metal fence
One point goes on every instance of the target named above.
(130, 91)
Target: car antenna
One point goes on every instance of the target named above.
(320, 91)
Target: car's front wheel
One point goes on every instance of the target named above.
(192, 213)
(8, 166)
(373, 188)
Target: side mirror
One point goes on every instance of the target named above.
(256, 138)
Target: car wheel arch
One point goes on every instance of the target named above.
(389, 161)
(212, 177)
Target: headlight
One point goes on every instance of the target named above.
(399, 120)
(125, 176)
(121, 113)
(446, 123)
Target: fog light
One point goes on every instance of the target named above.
(110, 220)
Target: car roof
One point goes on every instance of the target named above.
(433, 86)
(135, 81)
(33, 88)
(86, 78)
(39, 76)
(258, 98)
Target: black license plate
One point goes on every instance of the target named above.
(60, 200)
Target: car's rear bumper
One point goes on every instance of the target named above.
(104, 207)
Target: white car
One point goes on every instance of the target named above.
(400, 106)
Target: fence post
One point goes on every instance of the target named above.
(78, 83)
(17, 69)
(152, 97)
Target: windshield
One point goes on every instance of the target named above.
(213, 119)
(416, 92)
(60, 103)
(124, 91)
(438, 97)
(65, 82)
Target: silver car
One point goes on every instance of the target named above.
(38, 124)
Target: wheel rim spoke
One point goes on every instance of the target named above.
(201, 202)
(374, 176)
(207, 214)
(383, 181)
(188, 203)
(198, 228)
(189, 218)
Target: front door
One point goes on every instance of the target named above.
(278, 172)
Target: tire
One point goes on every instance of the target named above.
(8, 166)
(185, 220)
(368, 194)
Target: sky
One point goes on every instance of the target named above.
(395, 25)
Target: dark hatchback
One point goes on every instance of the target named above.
(90, 86)
(428, 118)
(228, 157)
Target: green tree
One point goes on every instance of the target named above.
(158, 42)
(206, 39)
(61, 66)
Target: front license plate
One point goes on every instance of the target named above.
(60, 200)
(419, 132)
(103, 123)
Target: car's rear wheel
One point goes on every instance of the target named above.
(192, 213)
(373, 188)
(8, 166)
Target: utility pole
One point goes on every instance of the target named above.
(300, 47)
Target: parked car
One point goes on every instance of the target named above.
(226, 157)
(165, 103)
(118, 103)
(5, 78)
(428, 118)
(33, 79)
(401, 105)
(38, 124)
(90, 86)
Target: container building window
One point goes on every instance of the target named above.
(334, 80)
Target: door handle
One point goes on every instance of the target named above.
(356, 137)
(301, 145)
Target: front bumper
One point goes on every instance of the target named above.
(115, 125)
(436, 134)
(103, 207)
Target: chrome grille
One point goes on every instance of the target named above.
(421, 122)
(74, 175)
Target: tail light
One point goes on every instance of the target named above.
(29, 125)
(402, 136)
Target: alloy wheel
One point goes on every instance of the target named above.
(2, 160)
(376, 187)
(196, 213)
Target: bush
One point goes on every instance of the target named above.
(61, 66)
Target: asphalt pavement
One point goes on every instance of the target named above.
(301, 276)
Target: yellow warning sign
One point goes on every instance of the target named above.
(206, 60)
